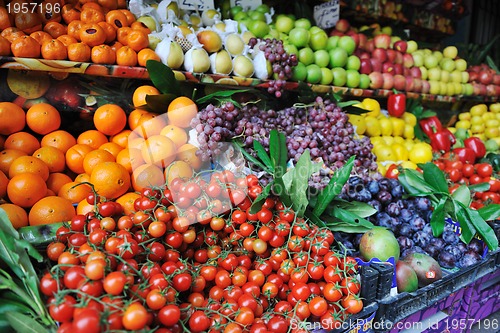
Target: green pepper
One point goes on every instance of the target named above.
(494, 160)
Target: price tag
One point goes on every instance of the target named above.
(196, 4)
(252, 4)
(327, 14)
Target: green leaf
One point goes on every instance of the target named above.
(278, 152)
(219, 94)
(163, 78)
(159, 103)
(483, 229)
(468, 229)
(414, 183)
(8, 305)
(359, 208)
(39, 235)
(259, 201)
(301, 174)
(347, 228)
(350, 218)
(437, 218)
(492, 64)
(24, 324)
(490, 212)
(434, 177)
(462, 194)
(351, 109)
(481, 187)
(314, 219)
(334, 187)
(262, 154)
(249, 157)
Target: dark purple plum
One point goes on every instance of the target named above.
(450, 237)
(405, 243)
(422, 239)
(415, 249)
(428, 229)
(395, 222)
(373, 187)
(432, 250)
(423, 204)
(470, 258)
(364, 195)
(404, 230)
(384, 184)
(397, 191)
(438, 242)
(393, 183)
(375, 204)
(462, 247)
(447, 260)
(393, 209)
(417, 223)
(383, 219)
(406, 215)
(475, 245)
(384, 197)
(454, 251)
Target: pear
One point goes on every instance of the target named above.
(221, 62)
(243, 66)
(170, 53)
(196, 60)
(234, 44)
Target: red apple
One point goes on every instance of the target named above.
(399, 58)
(391, 55)
(370, 45)
(382, 41)
(399, 69)
(401, 46)
(400, 82)
(376, 65)
(376, 79)
(408, 60)
(491, 90)
(366, 66)
(425, 87)
(417, 84)
(388, 67)
(335, 32)
(362, 41)
(364, 55)
(406, 71)
(485, 77)
(380, 54)
(354, 36)
(388, 81)
(482, 90)
(342, 25)
(473, 76)
(416, 72)
(496, 79)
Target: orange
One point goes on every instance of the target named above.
(26, 189)
(75, 156)
(126, 56)
(147, 175)
(67, 40)
(60, 139)
(139, 96)
(108, 4)
(95, 157)
(82, 178)
(141, 27)
(134, 118)
(130, 17)
(180, 111)
(122, 35)
(74, 192)
(146, 54)
(91, 15)
(53, 158)
(29, 164)
(3, 184)
(109, 30)
(115, 45)
(110, 179)
(49, 11)
(70, 13)
(127, 201)
(187, 153)
(92, 138)
(50, 210)
(130, 158)
(93, 5)
(4, 46)
(116, 18)
(137, 40)
(50, 193)
(79, 52)
(55, 29)
(150, 124)
(54, 50)
(112, 148)
(6, 19)
(84, 207)
(41, 37)
(136, 143)
(176, 134)
(11, 33)
(121, 138)
(17, 215)
(8, 156)
(159, 150)
(22, 141)
(103, 54)
(43, 118)
(56, 180)
(28, 22)
(178, 169)
(12, 118)
(92, 34)
(74, 28)
(110, 119)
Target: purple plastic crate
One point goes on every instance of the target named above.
(482, 299)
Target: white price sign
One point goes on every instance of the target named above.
(196, 4)
(252, 4)
(327, 14)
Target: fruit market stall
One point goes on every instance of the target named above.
(234, 169)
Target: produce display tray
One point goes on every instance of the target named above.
(66, 67)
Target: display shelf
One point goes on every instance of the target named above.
(63, 66)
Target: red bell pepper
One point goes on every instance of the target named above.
(396, 104)
(392, 171)
(452, 137)
(477, 145)
(465, 155)
(430, 125)
(440, 141)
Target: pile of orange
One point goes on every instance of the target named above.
(101, 31)
(45, 171)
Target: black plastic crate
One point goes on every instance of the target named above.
(394, 308)
(369, 283)
(386, 273)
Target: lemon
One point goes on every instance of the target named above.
(384, 153)
(371, 105)
(377, 140)
(497, 115)
(398, 126)
(481, 136)
(488, 116)
(495, 107)
(400, 151)
(388, 140)
(372, 126)
(359, 122)
(465, 116)
(409, 131)
(463, 124)
(476, 120)
(479, 128)
(381, 168)
(385, 126)
(409, 165)
(492, 132)
(492, 123)
(399, 139)
(478, 110)
(421, 153)
(453, 130)
(409, 118)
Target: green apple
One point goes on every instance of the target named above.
(306, 56)
(273, 33)
(431, 61)
(353, 78)
(353, 63)
(445, 76)
(326, 76)
(321, 58)
(339, 76)
(450, 52)
(443, 88)
(447, 64)
(240, 16)
(434, 87)
(491, 145)
(258, 28)
(315, 29)
(456, 76)
(284, 23)
(412, 46)
(303, 23)
(468, 89)
(364, 81)
(424, 72)
(460, 65)
(458, 88)
(465, 77)
(299, 72)
(235, 10)
(347, 43)
(434, 74)
(418, 59)
(438, 55)
(290, 49)
(313, 73)
(263, 8)
(258, 16)
(318, 40)
(332, 42)
(338, 57)
(299, 37)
